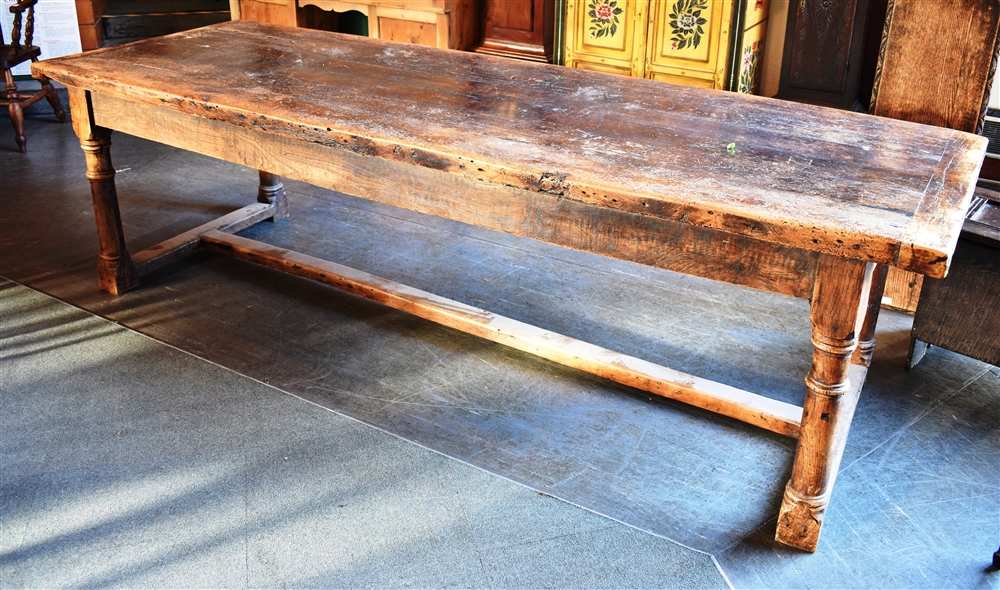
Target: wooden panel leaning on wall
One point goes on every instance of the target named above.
(936, 65)
(769, 194)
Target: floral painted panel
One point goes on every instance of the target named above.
(687, 23)
(750, 69)
(753, 56)
(603, 17)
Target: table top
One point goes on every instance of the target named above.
(827, 180)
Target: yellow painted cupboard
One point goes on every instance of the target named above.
(708, 43)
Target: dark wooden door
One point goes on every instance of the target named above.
(826, 46)
(519, 28)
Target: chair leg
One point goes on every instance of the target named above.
(16, 112)
(52, 97)
(17, 120)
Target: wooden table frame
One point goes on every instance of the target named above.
(842, 281)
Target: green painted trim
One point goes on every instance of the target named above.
(736, 46)
(559, 36)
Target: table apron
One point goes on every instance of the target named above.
(543, 216)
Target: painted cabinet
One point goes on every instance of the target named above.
(708, 43)
(448, 24)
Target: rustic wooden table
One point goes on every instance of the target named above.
(794, 199)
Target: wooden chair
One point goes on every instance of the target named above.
(15, 53)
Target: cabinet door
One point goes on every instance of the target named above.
(519, 21)
(823, 53)
(606, 35)
(688, 41)
(275, 12)
(519, 28)
(410, 26)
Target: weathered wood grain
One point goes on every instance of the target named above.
(761, 411)
(543, 216)
(818, 179)
(936, 63)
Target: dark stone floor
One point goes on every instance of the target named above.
(917, 503)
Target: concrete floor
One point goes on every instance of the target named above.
(917, 504)
(127, 463)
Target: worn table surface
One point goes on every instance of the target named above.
(820, 179)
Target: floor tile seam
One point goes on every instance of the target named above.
(931, 407)
(472, 531)
(492, 474)
(394, 435)
(722, 572)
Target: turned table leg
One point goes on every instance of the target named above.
(866, 338)
(272, 192)
(838, 310)
(115, 270)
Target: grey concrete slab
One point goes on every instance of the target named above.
(399, 525)
(181, 524)
(219, 481)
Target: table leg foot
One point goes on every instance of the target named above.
(800, 519)
(116, 276)
(272, 192)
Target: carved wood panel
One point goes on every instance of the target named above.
(822, 45)
(824, 58)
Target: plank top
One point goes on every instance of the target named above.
(832, 181)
